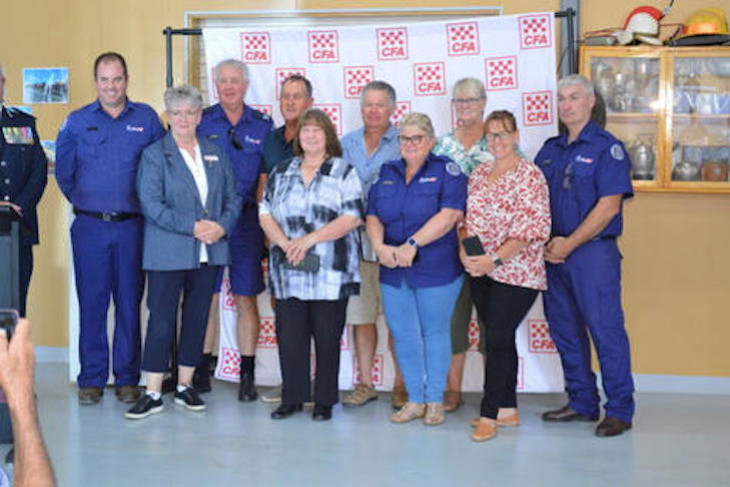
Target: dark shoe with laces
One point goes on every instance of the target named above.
(190, 399)
(246, 388)
(611, 427)
(144, 407)
(566, 415)
(286, 410)
(322, 413)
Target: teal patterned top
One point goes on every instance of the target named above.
(448, 145)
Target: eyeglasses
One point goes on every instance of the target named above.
(415, 139)
(234, 140)
(568, 176)
(465, 101)
(491, 136)
(182, 113)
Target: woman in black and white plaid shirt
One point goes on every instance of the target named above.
(311, 209)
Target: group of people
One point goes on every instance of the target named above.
(429, 226)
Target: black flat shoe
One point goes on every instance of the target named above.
(286, 410)
(566, 415)
(246, 388)
(322, 413)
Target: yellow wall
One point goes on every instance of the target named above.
(676, 246)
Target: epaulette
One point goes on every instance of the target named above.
(259, 115)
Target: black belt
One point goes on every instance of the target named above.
(107, 217)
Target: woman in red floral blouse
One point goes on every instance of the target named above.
(508, 209)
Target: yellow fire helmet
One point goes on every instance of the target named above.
(705, 21)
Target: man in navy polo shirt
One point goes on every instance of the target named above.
(588, 172)
(241, 131)
(97, 154)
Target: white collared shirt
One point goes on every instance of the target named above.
(195, 165)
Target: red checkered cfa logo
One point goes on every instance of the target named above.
(334, 112)
(256, 47)
(538, 336)
(392, 43)
(267, 333)
(231, 363)
(535, 31)
(501, 73)
(376, 374)
(429, 79)
(402, 108)
(282, 74)
(356, 77)
(473, 334)
(323, 46)
(537, 108)
(463, 38)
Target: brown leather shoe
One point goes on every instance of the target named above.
(486, 429)
(128, 394)
(565, 415)
(612, 427)
(90, 395)
(452, 401)
(399, 397)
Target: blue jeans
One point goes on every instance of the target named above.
(420, 322)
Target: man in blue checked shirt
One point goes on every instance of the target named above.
(97, 154)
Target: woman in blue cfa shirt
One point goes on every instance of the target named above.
(310, 211)
(412, 212)
(190, 205)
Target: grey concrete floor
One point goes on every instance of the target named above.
(677, 440)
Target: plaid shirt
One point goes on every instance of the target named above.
(299, 209)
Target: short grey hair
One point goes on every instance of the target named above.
(418, 120)
(379, 86)
(471, 86)
(183, 95)
(233, 63)
(577, 79)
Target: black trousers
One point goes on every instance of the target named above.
(297, 322)
(25, 269)
(163, 297)
(501, 308)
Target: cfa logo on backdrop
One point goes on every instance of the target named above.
(356, 77)
(282, 74)
(334, 112)
(323, 46)
(392, 43)
(537, 108)
(463, 38)
(429, 79)
(376, 375)
(535, 31)
(473, 335)
(538, 337)
(402, 108)
(501, 73)
(267, 333)
(256, 47)
(231, 363)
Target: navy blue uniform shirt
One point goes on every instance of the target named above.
(404, 208)
(97, 156)
(277, 149)
(243, 143)
(23, 168)
(578, 174)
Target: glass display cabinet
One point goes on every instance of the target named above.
(671, 108)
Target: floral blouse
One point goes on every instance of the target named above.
(514, 206)
(448, 145)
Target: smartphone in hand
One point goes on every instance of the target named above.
(8, 321)
(473, 246)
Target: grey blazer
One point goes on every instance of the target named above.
(171, 205)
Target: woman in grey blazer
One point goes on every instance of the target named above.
(190, 204)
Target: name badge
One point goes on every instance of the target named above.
(246, 138)
(210, 157)
(425, 179)
(18, 135)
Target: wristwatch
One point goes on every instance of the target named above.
(497, 261)
(412, 242)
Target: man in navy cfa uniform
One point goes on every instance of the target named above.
(97, 154)
(241, 131)
(588, 172)
(23, 169)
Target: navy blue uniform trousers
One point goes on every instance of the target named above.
(108, 263)
(584, 295)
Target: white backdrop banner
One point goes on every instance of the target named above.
(513, 55)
